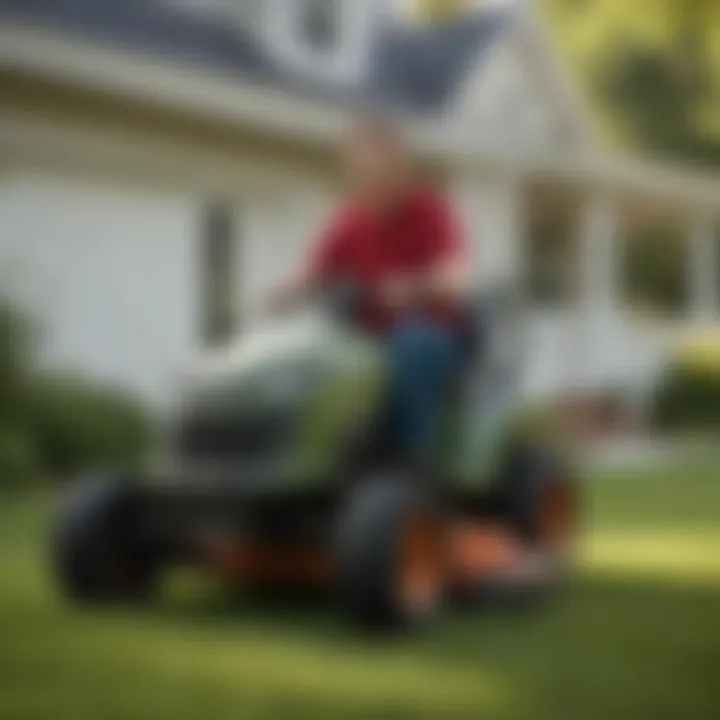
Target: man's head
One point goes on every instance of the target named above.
(377, 159)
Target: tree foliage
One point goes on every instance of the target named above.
(56, 424)
(652, 67)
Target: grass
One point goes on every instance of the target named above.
(637, 636)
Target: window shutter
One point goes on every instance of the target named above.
(217, 273)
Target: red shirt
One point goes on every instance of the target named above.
(371, 246)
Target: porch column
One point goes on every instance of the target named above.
(599, 255)
(704, 269)
(598, 289)
(491, 215)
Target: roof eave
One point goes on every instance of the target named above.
(202, 93)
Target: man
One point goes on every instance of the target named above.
(400, 242)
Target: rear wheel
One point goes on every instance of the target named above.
(391, 555)
(100, 552)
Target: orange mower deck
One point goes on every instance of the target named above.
(475, 552)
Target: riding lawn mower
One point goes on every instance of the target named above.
(277, 476)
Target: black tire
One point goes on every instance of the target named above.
(370, 559)
(534, 478)
(99, 551)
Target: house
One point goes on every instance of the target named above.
(162, 161)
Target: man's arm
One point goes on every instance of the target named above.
(292, 291)
(324, 261)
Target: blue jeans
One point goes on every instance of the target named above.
(423, 358)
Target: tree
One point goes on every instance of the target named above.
(439, 10)
(652, 68)
(16, 342)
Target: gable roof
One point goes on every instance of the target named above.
(412, 68)
(423, 66)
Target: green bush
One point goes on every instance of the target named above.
(18, 458)
(78, 425)
(688, 399)
(16, 346)
(52, 425)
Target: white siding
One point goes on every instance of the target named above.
(491, 213)
(509, 102)
(277, 237)
(109, 273)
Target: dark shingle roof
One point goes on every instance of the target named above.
(412, 68)
(421, 67)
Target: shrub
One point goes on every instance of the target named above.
(77, 424)
(18, 458)
(688, 395)
(56, 425)
(16, 344)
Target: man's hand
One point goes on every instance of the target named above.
(286, 295)
(447, 281)
(276, 301)
(398, 293)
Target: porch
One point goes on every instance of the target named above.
(573, 241)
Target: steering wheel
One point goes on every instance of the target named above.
(344, 299)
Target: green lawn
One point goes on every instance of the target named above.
(638, 636)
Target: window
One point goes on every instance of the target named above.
(217, 273)
(322, 40)
(654, 273)
(320, 24)
(550, 261)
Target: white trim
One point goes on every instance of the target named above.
(598, 317)
(215, 98)
(65, 147)
(569, 93)
(526, 36)
(171, 85)
(599, 229)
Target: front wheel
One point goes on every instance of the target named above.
(99, 551)
(541, 497)
(540, 500)
(390, 555)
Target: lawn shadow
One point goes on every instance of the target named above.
(235, 609)
(608, 646)
(635, 635)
